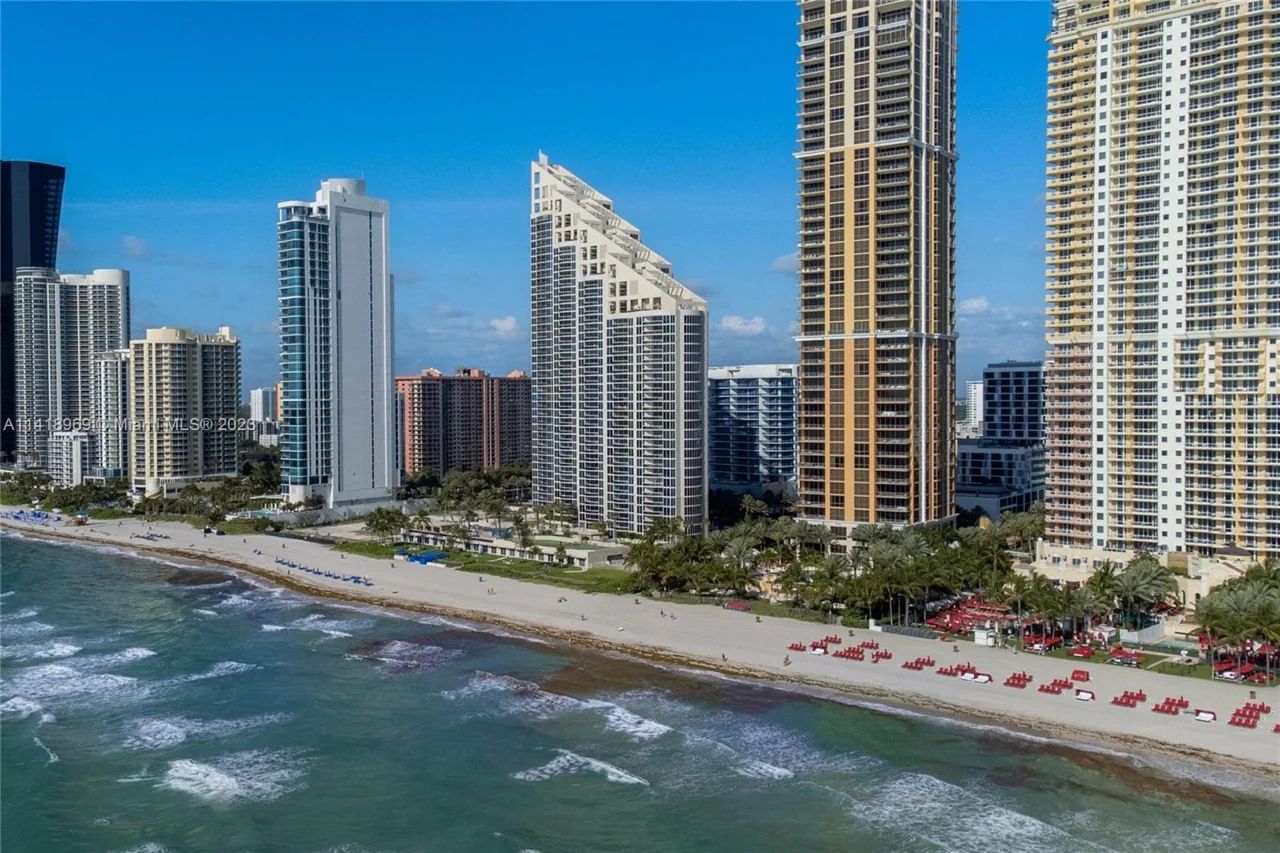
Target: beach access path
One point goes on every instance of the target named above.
(699, 635)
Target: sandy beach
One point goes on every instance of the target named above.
(698, 636)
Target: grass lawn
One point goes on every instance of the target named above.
(1203, 671)
(598, 579)
(237, 525)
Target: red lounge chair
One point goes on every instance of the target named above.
(1079, 675)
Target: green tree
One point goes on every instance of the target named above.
(385, 523)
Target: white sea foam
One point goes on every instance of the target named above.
(571, 762)
(166, 732)
(6, 594)
(237, 601)
(619, 719)
(274, 628)
(19, 708)
(400, 655)
(22, 630)
(526, 698)
(24, 613)
(58, 681)
(148, 847)
(39, 651)
(329, 626)
(253, 776)
(761, 770)
(203, 612)
(218, 670)
(110, 660)
(924, 811)
(53, 756)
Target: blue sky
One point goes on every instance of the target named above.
(181, 126)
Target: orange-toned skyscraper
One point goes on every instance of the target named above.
(877, 338)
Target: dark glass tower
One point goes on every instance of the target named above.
(30, 209)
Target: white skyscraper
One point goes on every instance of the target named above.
(973, 406)
(111, 413)
(262, 404)
(619, 365)
(336, 348)
(60, 323)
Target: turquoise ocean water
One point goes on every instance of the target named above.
(149, 707)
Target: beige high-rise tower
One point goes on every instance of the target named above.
(1162, 418)
(184, 391)
(877, 271)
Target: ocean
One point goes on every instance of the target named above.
(146, 706)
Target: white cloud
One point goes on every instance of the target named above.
(788, 264)
(976, 305)
(746, 326)
(134, 247)
(504, 326)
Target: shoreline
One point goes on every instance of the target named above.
(882, 697)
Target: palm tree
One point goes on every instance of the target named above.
(1081, 603)
(1144, 583)
(884, 555)
(912, 545)
(802, 533)
(1016, 593)
(1105, 585)
(741, 554)
(825, 536)
(909, 587)
(791, 580)
(752, 506)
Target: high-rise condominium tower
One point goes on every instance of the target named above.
(30, 212)
(619, 365)
(877, 271)
(336, 348)
(110, 409)
(1162, 409)
(61, 322)
(752, 432)
(184, 393)
(1013, 402)
(262, 404)
(467, 420)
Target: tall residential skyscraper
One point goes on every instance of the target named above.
(619, 365)
(467, 420)
(30, 212)
(752, 433)
(1013, 402)
(61, 322)
(974, 410)
(337, 348)
(184, 393)
(877, 271)
(262, 404)
(110, 410)
(1162, 411)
